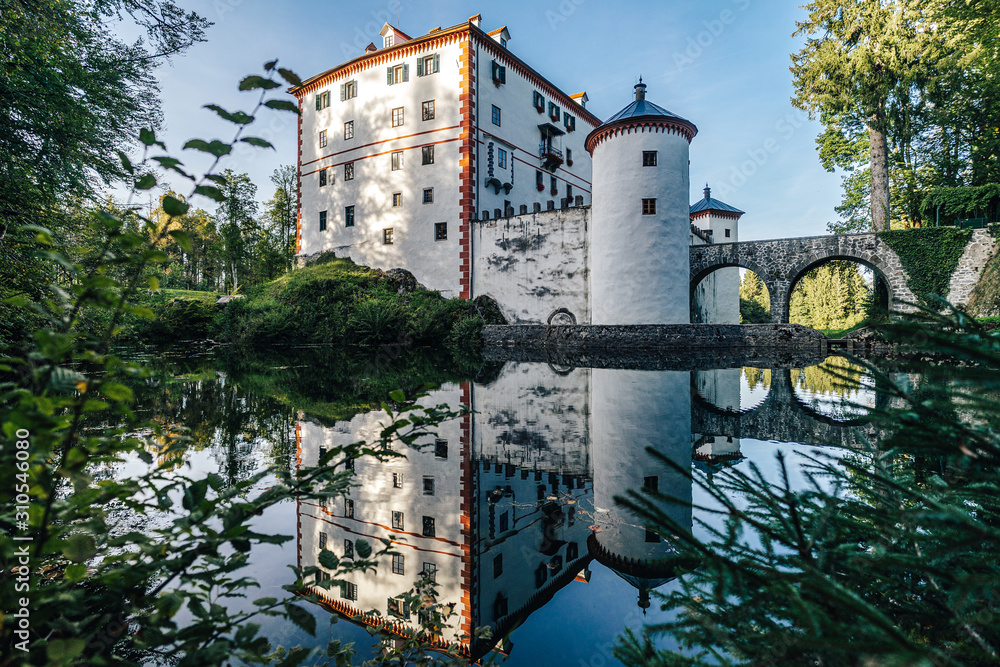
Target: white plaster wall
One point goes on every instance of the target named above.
(534, 264)
(639, 264)
(519, 130)
(633, 410)
(435, 264)
(375, 499)
(717, 297)
(720, 387)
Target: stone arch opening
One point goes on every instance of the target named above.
(836, 391)
(718, 291)
(836, 293)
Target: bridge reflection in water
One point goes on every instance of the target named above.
(505, 507)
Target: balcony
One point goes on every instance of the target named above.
(550, 156)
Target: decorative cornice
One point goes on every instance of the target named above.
(728, 215)
(654, 124)
(660, 568)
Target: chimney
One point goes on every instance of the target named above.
(708, 192)
(640, 90)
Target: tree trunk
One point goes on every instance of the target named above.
(880, 176)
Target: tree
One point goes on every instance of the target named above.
(860, 61)
(237, 223)
(755, 302)
(278, 240)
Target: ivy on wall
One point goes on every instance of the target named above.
(929, 256)
(962, 202)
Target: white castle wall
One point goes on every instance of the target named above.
(639, 263)
(534, 265)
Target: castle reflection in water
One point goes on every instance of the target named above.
(506, 506)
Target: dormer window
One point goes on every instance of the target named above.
(503, 42)
(388, 40)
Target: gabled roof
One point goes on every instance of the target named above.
(710, 204)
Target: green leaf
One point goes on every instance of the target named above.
(215, 481)
(182, 238)
(237, 117)
(148, 138)
(75, 572)
(214, 147)
(301, 618)
(241, 545)
(117, 392)
(269, 65)
(328, 560)
(282, 105)
(64, 650)
(146, 182)
(174, 207)
(211, 192)
(295, 657)
(126, 163)
(397, 396)
(257, 141)
(362, 548)
(265, 602)
(154, 283)
(216, 178)
(290, 76)
(79, 547)
(253, 82)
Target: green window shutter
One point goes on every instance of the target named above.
(388, 79)
(420, 66)
(406, 73)
(437, 62)
(319, 98)
(343, 92)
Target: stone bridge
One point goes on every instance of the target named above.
(781, 263)
(784, 418)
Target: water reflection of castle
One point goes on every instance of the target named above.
(507, 506)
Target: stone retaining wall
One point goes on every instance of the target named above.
(656, 337)
(970, 267)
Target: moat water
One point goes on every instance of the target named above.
(511, 508)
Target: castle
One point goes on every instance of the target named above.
(450, 157)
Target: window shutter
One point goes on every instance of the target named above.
(503, 74)
(389, 76)
(343, 92)
(437, 62)
(318, 101)
(420, 66)
(406, 73)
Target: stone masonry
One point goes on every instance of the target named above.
(977, 254)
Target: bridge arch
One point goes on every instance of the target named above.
(872, 262)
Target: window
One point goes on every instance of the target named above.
(348, 216)
(322, 100)
(397, 160)
(428, 65)
(496, 115)
(427, 527)
(499, 606)
(649, 207)
(322, 139)
(441, 449)
(569, 121)
(501, 158)
(427, 110)
(349, 130)
(397, 117)
(398, 564)
(397, 201)
(428, 195)
(428, 486)
(348, 549)
(503, 42)
(539, 101)
(649, 158)
(348, 90)
(572, 551)
(499, 73)
(322, 540)
(431, 572)
(553, 185)
(397, 521)
(569, 192)
(539, 180)
(554, 111)
(348, 171)
(322, 575)
(728, 234)
(427, 154)
(322, 177)
(397, 74)
(505, 522)
(569, 157)
(397, 480)
(651, 483)
(397, 608)
(388, 41)
(322, 221)
(349, 591)
(541, 574)
(440, 231)
(348, 508)
(387, 236)
(497, 565)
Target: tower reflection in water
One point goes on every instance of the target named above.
(505, 507)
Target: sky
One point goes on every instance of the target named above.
(722, 64)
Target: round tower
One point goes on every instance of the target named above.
(641, 221)
(632, 411)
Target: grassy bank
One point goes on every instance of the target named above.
(330, 302)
